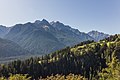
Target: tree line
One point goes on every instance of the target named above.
(88, 59)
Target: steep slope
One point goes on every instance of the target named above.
(34, 37)
(9, 49)
(44, 37)
(3, 30)
(69, 36)
(98, 35)
(86, 59)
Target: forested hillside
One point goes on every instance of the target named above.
(92, 60)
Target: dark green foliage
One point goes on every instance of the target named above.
(63, 77)
(87, 59)
(16, 77)
(112, 72)
(112, 38)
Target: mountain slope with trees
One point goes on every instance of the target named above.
(92, 60)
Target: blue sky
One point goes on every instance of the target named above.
(85, 15)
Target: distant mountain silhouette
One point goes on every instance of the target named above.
(44, 37)
(98, 35)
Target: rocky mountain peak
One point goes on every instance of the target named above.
(97, 35)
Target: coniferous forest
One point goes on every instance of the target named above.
(87, 60)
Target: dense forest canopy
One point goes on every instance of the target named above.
(92, 60)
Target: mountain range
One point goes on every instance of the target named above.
(3, 30)
(87, 60)
(98, 35)
(42, 37)
(9, 48)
